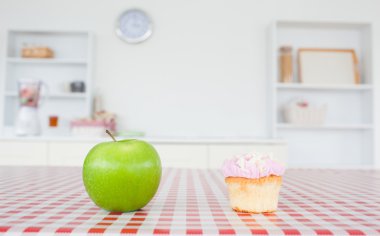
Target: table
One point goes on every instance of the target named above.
(52, 200)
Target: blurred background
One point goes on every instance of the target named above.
(201, 80)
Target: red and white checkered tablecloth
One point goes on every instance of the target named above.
(52, 200)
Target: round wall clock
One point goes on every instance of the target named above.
(134, 26)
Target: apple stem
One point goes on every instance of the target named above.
(111, 135)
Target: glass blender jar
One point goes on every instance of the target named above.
(27, 121)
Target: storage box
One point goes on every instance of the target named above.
(305, 115)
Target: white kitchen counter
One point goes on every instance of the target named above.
(183, 152)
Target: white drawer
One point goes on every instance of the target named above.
(23, 153)
(68, 153)
(183, 155)
(218, 153)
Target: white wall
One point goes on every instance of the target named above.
(202, 73)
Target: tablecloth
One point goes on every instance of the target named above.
(52, 200)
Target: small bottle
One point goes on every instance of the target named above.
(53, 121)
(286, 64)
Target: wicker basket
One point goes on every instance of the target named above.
(309, 115)
(37, 52)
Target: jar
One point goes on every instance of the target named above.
(286, 64)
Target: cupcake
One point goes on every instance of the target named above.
(254, 182)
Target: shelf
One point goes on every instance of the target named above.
(348, 135)
(55, 95)
(16, 60)
(297, 86)
(326, 127)
(73, 52)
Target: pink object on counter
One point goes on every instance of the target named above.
(252, 166)
(94, 123)
(95, 128)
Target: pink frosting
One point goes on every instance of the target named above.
(252, 166)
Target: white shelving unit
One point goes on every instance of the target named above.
(72, 61)
(347, 136)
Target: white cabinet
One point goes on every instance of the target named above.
(183, 155)
(220, 152)
(173, 154)
(23, 153)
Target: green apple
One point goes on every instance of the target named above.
(122, 175)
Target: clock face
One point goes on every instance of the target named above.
(134, 26)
